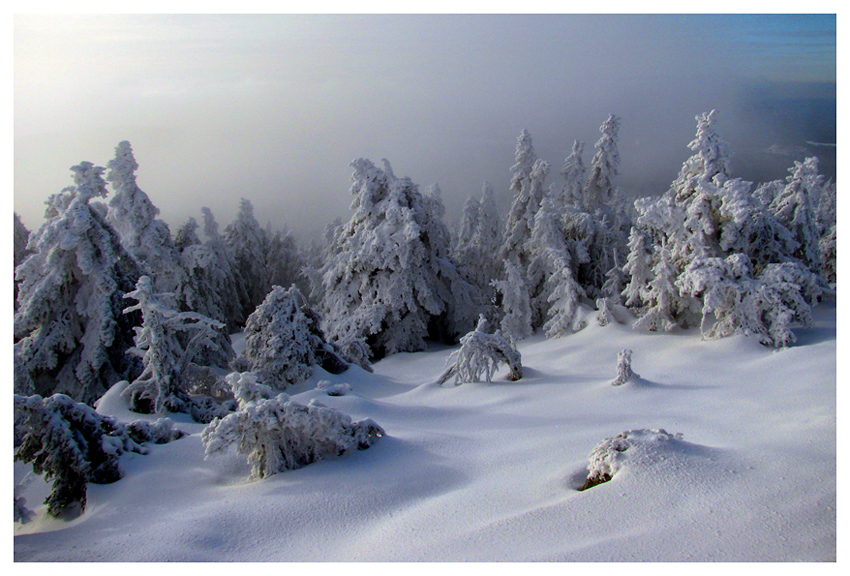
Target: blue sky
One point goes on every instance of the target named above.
(272, 108)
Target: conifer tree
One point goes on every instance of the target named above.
(70, 334)
(132, 214)
(389, 279)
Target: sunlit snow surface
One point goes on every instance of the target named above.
(489, 472)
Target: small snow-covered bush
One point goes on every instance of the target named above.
(624, 368)
(279, 434)
(609, 455)
(480, 355)
(71, 444)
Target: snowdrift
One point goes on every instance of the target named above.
(731, 457)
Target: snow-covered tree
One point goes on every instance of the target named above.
(556, 294)
(480, 355)
(246, 240)
(283, 341)
(72, 445)
(516, 245)
(525, 159)
(795, 207)
(477, 245)
(278, 434)
(827, 225)
(574, 173)
(132, 214)
(70, 334)
(600, 188)
(389, 278)
(735, 302)
(515, 302)
(721, 254)
(638, 269)
(22, 236)
(211, 269)
(283, 260)
(167, 342)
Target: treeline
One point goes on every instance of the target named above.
(97, 280)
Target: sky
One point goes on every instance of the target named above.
(273, 108)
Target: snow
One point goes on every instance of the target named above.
(491, 471)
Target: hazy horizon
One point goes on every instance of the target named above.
(274, 107)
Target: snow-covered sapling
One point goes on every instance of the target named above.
(624, 369)
(164, 354)
(480, 355)
(279, 434)
(71, 444)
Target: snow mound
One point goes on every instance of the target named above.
(646, 451)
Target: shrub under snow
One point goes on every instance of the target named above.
(480, 355)
(624, 368)
(71, 444)
(609, 455)
(279, 434)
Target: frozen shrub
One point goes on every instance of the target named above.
(624, 368)
(609, 455)
(278, 434)
(71, 444)
(480, 355)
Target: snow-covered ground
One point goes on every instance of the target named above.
(489, 472)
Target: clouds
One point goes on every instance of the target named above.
(273, 108)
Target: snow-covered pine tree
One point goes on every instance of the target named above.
(574, 173)
(515, 300)
(245, 239)
(215, 290)
(72, 445)
(735, 302)
(168, 342)
(624, 368)
(278, 434)
(525, 159)
(795, 207)
(827, 225)
(70, 334)
(468, 224)
(146, 238)
(283, 260)
(476, 248)
(283, 341)
(187, 235)
(516, 244)
(717, 249)
(22, 236)
(600, 189)
(600, 220)
(638, 269)
(388, 279)
(556, 295)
